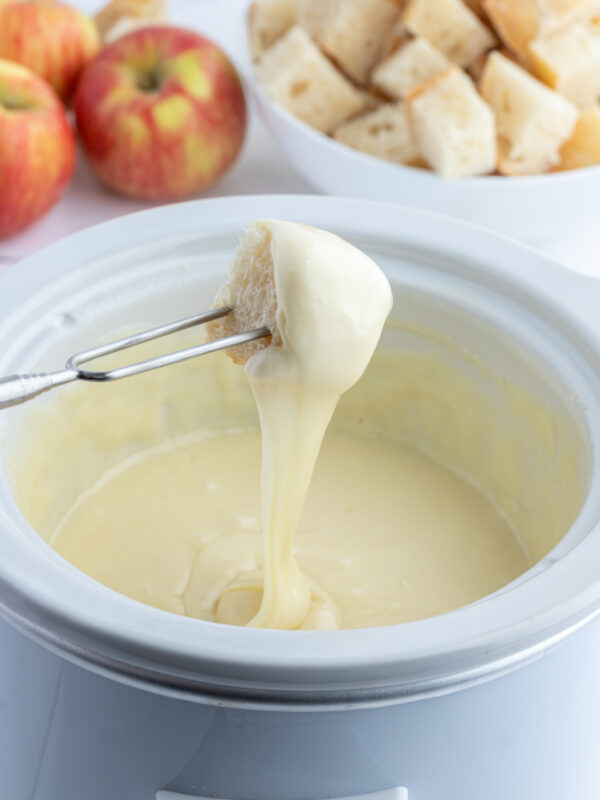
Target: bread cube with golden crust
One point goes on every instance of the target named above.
(412, 64)
(568, 60)
(451, 27)
(268, 20)
(519, 22)
(452, 126)
(533, 121)
(300, 78)
(583, 148)
(353, 33)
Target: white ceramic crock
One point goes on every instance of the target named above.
(108, 698)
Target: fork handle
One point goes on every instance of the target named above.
(17, 389)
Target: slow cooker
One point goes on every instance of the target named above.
(104, 697)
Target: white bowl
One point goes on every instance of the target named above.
(529, 208)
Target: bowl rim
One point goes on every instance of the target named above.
(92, 625)
(399, 171)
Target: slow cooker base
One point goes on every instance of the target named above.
(67, 734)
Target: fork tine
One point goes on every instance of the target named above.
(16, 389)
(146, 336)
(173, 358)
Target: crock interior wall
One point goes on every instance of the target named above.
(443, 379)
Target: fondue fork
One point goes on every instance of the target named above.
(17, 389)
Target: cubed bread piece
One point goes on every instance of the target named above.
(415, 62)
(268, 20)
(583, 148)
(299, 77)
(532, 120)
(519, 22)
(351, 32)
(121, 16)
(451, 27)
(568, 60)
(251, 292)
(452, 126)
(383, 133)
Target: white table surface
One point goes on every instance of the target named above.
(260, 169)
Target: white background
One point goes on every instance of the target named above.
(261, 169)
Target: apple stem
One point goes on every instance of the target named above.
(150, 81)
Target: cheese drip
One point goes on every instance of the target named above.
(333, 301)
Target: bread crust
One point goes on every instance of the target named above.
(519, 22)
(251, 292)
(456, 136)
(568, 60)
(268, 21)
(451, 27)
(353, 33)
(583, 148)
(297, 75)
(411, 65)
(533, 121)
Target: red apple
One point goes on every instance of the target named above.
(37, 148)
(52, 39)
(161, 113)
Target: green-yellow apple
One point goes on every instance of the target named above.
(37, 148)
(160, 113)
(54, 40)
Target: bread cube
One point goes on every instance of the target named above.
(351, 32)
(583, 148)
(451, 27)
(383, 133)
(519, 22)
(532, 120)
(452, 127)
(251, 292)
(297, 75)
(568, 60)
(415, 62)
(268, 20)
